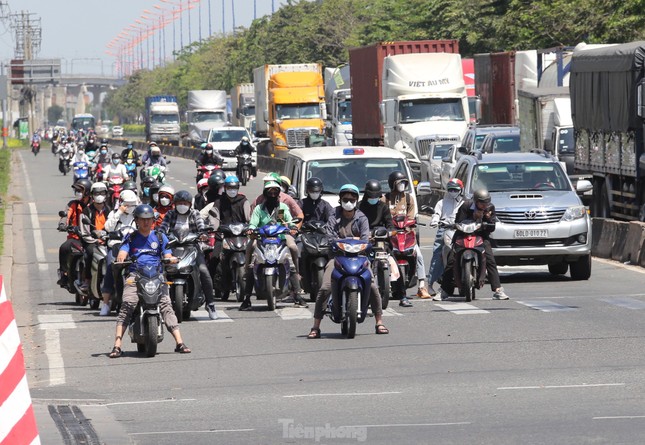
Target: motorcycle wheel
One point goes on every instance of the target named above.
(384, 286)
(467, 281)
(152, 326)
(351, 316)
(238, 279)
(178, 302)
(245, 176)
(141, 348)
(317, 279)
(270, 291)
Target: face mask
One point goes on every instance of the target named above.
(115, 162)
(99, 199)
(314, 196)
(453, 194)
(372, 201)
(400, 187)
(182, 209)
(79, 195)
(129, 161)
(209, 152)
(129, 209)
(232, 193)
(80, 152)
(164, 201)
(155, 197)
(349, 206)
(103, 152)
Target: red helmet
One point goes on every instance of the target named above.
(455, 183)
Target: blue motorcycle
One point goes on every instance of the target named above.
(81, 170)
(351, 282)
(272, 264)
(131, 168)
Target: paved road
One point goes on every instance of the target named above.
(561, 362)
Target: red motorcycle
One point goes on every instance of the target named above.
(35, 147)
(115, 187)
(470, 261)
(403, 241)
(205, 171)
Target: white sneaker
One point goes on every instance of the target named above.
(441, 296)
(105, 310)
(500, 294)
(212, 312)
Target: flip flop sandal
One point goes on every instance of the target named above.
(182, 349)
(314, 333)
(381, 329)
(116, 352)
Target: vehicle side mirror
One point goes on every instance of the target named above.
(424, 188)
(446, 159)
(584, 186)
(62, 214)
(462, 150)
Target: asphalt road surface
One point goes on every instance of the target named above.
(561, 362)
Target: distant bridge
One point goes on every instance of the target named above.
(90, 79)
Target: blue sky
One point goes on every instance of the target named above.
(79, 30)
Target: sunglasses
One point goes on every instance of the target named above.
(349, 200)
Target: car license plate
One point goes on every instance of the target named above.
(532, 233)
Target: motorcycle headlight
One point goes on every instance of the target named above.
(152, 286)
(187, 260)
(574, 212)
(271, 253)
(352, 248)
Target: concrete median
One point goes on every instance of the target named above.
(634, 242)
(607, 239)
(620, 241)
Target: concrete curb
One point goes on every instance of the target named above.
(596, 232)
(607, 239)
(618, 249)
(6, 260)
(634, 242)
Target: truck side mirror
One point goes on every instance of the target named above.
(548, 146)
(265, 116)
(323, 111)
(238, 114)
(462, 150)
(381, 109)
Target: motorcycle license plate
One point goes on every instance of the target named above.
(380, 255)
(531, 233)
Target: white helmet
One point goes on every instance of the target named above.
(128, 197)
(155, 150)
(98, 187)
(167, 189)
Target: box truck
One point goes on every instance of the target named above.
(162, 119)
(338, 98)
(206, 109)
(243, 105)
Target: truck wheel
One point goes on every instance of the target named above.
(581, 269)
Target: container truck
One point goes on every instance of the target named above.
(338, 98)
(498, 77)
(289, 104)
(162, 119)
(607, 87)
(243, 105)
(206, 109)
(543, 115)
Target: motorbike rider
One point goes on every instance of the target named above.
(130, 153)
(165, 203)
(286, 187)
(183, 220)
(244, 147)
(35, 139)
(121, 219)
(148, 247)
(149, 187)
(445, 211)
(74, 210)
(115, 169)
(402, 204)
(207, 157)
(131, 185)
(103, 155)
(271, 209)
(314, 208)
(231, 208)
(155, 158)
(215, 186)
(81, 156)
(96, 213)
(200, 198)
(478, 209)
(347, 222)
(375, 209)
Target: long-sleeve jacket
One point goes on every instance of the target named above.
(261, 216)
(401, 204)
(319, 210)
(378, 215)
(489, 218)
(118, 220)
(360, 225)
(118, 170)
(93, 219)
(195, 222)
(446, 210)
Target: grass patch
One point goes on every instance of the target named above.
(5, 177)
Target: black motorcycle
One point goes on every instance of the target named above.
(244, 167)
(186, 291)
(380, 263)
(65, 160)
(314, 256)
(75, 273)
(229, 274)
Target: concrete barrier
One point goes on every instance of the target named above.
(634, 242)
(271, 164)
(607, 239)
(618, 249)
(596, 232)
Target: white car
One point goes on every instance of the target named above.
(224, 141)
(117, 131)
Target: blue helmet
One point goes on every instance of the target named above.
(231, 180)
(349, 188)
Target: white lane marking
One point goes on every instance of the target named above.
(25, 176)
(628, 303)
(142, 402)
(617, 417)
(38, 238)
(202, 316)
(298, 396)
(242, 430)
(389, 312)
(547, 306)
(54, 357)
(294, 313)
(462, 308)
(393, 425)
(583, 385)
(56, 321)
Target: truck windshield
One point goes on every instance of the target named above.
(345, 111)
(209, 116)
(334, 173)
(164, 119)
(227, 136)
(423, 110)
(248, 110)
(441, 151)
(298, 111)
(515, 176)
(565, 141)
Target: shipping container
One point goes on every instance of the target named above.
(366, 68)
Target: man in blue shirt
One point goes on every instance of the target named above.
(148, 248)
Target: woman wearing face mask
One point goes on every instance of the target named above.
(377, 212)
(401, 203)
(164, 204)
(200, 198)
(313, 206)
(180, 221)
(444, 212)
(120, 219)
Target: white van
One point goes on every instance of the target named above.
(337, 166)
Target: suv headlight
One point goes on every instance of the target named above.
(573, 213)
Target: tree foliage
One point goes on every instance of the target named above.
(323, 31)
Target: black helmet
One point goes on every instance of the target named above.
(394, 177)
(130, 185)
(183, 195)
(148, 181)
(481, 195)
(144, 211)
(83, 185)
(116, 156)
(216, 180)
(104, 141)
(314, 185)
(373, 189)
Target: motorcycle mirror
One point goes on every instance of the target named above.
(62, 214)
(296, 221)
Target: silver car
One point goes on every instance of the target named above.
(541, 217)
